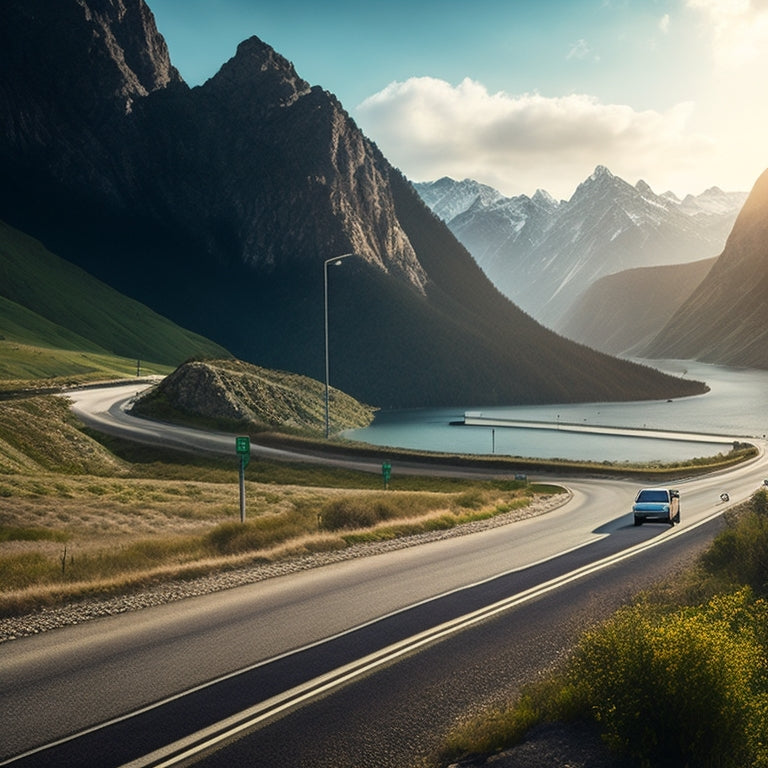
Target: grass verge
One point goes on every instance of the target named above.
(96, 537)
(81, 517)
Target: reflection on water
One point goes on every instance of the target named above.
(736, 405)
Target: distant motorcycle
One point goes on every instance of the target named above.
(724, 497)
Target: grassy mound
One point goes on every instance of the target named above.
(234, 394)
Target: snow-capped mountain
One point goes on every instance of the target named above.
(543, 254)
(449, 198)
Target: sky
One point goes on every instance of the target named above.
(519, 94)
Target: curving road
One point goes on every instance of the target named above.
(293, 631)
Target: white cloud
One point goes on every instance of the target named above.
(738, 28)
(664, 22)
(579, 50)
(430, 128)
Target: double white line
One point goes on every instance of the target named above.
(213, 736)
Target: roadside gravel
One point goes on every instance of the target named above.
(47, 619)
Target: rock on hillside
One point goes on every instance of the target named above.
(231, 391)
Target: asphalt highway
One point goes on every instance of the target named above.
(264, 657)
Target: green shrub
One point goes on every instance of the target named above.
(470, 499)
(683, 688)
(759, 502)
(739, 554)
(13, 533)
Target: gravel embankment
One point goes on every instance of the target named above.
(85, 610)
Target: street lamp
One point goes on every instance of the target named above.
(335, 260)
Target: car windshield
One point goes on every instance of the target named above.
(652, 496)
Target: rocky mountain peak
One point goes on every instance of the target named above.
(644, 188)
(123, 36)
(601, 172)
(105, 54)
(542, 196)
(601, 182)
(127, 31)
(543, 254)
(712, 201)
(449, 198)
(257, 68)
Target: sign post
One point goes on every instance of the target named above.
(386, 473)
(243, 449)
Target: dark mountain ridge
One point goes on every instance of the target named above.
(218, 205)
(725, 320)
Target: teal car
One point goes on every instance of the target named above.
(659, 505)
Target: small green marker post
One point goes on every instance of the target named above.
(243, 449)
(386, 473)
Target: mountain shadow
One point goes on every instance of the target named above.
(622, 313)
(218, 206)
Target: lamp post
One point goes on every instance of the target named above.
(335, 260)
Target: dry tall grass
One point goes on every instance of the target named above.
(77, 520)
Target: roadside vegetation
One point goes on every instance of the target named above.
(83, 515)
(80, 517)
(678, 678)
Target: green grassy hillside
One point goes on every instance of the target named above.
(48, 304)
(22, 325)
(25, 367)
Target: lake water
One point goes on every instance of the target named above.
(735, 406)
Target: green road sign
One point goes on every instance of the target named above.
(386, 471)
(243, 448)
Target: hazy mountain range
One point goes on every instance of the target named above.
(623, 313)
(543, 253)
(217, 206)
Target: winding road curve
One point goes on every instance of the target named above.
(278, 658)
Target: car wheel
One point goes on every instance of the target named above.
(638, 521)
